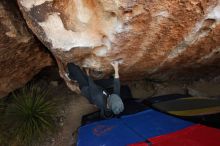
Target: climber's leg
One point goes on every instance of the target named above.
(75, 73)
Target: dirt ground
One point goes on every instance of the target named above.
(69, 118)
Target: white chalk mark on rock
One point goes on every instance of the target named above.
(28, 4)
(215, 13)
(61, 38)
(83, 13)
(100, 51)
(162, 14)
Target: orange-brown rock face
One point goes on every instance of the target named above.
(21, 56)
(167, 39)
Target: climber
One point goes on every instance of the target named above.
(97, 94)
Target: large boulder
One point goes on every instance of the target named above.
(21, 55)
(176, 39)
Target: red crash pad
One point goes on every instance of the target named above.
(197, 135)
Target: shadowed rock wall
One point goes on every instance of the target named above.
(21, 55)
(176, 39)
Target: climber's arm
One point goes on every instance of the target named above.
(116, 78)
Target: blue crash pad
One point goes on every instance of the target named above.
(150, 123)
(129, 129)
(106, 133)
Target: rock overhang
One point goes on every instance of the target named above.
(150, 36)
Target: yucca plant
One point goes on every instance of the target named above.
(30, 115)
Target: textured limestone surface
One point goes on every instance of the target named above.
(175, 39)
(21, 56)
